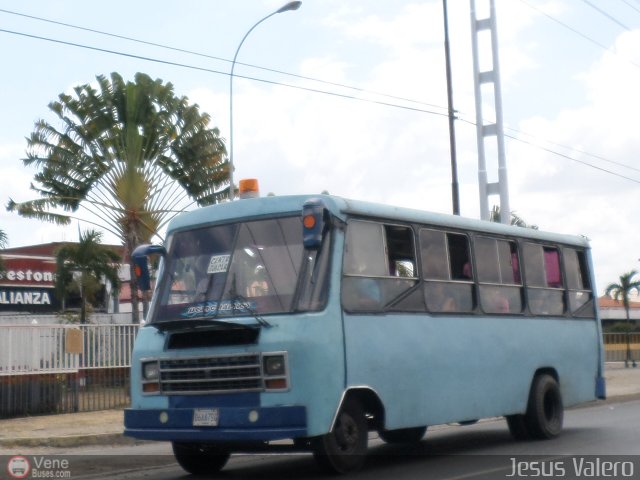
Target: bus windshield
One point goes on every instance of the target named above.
(239, 269)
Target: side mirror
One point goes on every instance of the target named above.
(140, 259)
(313, 223)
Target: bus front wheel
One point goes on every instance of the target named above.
(344, 448)
(200, 459)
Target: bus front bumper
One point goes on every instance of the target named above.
(216, 424)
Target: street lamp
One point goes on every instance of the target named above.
(284, 8)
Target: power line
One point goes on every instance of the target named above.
(218, 72)
(577, 32)
(213, 57)
(631, 6)
(606, 15)
(554, 19)
(577, 150)
(582, 162)
(334, 94)
(563, 155)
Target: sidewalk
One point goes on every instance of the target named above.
(105, 427)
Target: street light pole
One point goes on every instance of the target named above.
(284, 8)
(455, 189)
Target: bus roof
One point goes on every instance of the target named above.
(343, 208)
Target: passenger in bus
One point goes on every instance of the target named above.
(178, 292)
(495, 301)
(259, 286)
(448, 305)
(545, 301)
(500, 304)
(440, 299)
(466, 272)
(203, 280)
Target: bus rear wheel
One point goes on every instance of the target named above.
(344, 449)
(200, 459)
(545, 412)
(403, 435)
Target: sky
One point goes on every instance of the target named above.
(349, 97)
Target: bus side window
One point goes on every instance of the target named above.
(400, 251)
(578, 283)
(379, 267)
(446, 266)
(543, 279)
(498, 275)
(364, 250)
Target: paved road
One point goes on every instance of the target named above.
(105, 427)
(482, 451)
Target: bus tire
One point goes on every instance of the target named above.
(545, 412)
(200, 459)
(403, 435)
(344, 448)
(518, 427)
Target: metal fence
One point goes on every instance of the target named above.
(48, 369)
(94, 318)
(615, 346)
(64, 368)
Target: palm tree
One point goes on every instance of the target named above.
(90, 261)
(515, 219)
(131, 154)
(621, 291)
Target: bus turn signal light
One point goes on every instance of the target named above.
(151, 387)
(313, 223)
(275, 383)
(309, 221)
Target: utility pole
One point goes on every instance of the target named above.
(455, 190)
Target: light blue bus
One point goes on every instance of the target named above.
(317, 319)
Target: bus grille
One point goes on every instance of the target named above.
(237, 373)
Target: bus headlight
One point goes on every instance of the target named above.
(151, 377)
(275, 370)
(150, 370)
(274, 365)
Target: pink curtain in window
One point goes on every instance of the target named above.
(552, 267)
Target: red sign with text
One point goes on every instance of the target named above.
(31, 272)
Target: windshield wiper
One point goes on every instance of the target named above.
(247, 306)
(235, 296)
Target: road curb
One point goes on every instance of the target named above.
(627, 397)
(67, 441)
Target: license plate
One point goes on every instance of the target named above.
(206, 417)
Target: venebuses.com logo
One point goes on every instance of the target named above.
(18, 467)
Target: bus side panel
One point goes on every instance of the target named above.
(433, 370)
(316, 363)
(317, 356)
